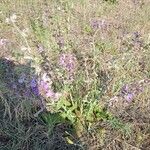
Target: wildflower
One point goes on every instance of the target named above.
(129, 97)
(99, 24)
(68, 62)
(14, 86)
(45, 90)
(43, 87)
(124, 90)
(13, 18)
(35, 91)
(34, 87)
(50, 93)
(27, 93)
(53, 95)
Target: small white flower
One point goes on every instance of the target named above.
(25, 32)
(13, 18)
(23, 48)
(7, 20)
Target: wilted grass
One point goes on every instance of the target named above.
(74, 74)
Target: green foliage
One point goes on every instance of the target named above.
(40, 32)
(51, 120)
(87, 29)
(118, 124)
(67, 110)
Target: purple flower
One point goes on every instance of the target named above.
(34, 87)
(43, 86)
(50, 94)
(124, 90)
(129, 97)
(33, 83)
(14, 86)
(46, 91)
(35, 91)
(67, 61)
(99, 24)
(53, 95)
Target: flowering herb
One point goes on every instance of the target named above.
(68, 63)
(34, 87)
(129, 97)
(99, 24)
(45, 90)
(128, 92)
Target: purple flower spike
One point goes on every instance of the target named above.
(54, 96)
(99, 24)
(33, 83)
(34, 87)
(35, 91)
(44, 85)
(129, 97)
(68, 62)
(50, 94)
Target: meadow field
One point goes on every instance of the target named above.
(74, 74)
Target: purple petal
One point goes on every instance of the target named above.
(44, 86)
(50, 94)
(129, 97)
(35, 91)
(33, 83)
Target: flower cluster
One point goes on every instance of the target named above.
(129, 91)
(126, 93)
(46, 91)
(68, 63)
(38, 87)
(34, 87)
(99, 24)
